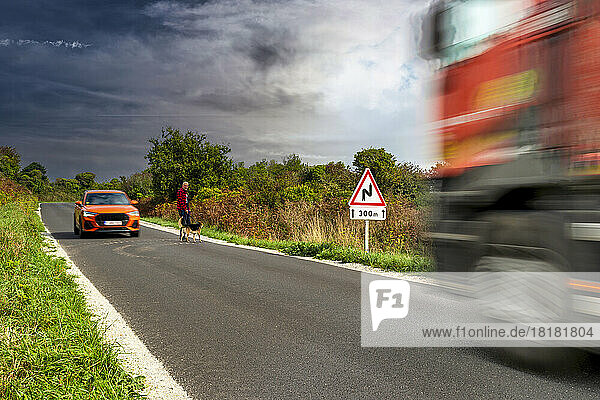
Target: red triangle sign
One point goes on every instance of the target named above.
(367, 193)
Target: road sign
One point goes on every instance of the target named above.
(367, 193)
(367, 203)
(375, 213)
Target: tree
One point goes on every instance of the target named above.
(408, 181)
(86, 179)
(34, 166)
(35, 181)
(113, 184)
(272, 182)
(67, 185)
(381, 163)
(10, 162)
(334, 179)
(262, 183)
(378, 160)
(287, 173)
(137, 185)
(239, 176)
(34, 178)
(394, 179)
(175, 158)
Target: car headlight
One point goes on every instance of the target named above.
(134, 213)
(89, 214)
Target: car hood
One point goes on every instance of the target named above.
(110, 209)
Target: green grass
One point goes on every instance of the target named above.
(324, 251)
(50, 348)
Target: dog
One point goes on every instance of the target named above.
(186, 230)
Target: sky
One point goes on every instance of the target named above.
(84, 85)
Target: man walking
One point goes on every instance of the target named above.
(183, 204)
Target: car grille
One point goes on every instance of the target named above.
(101, 218)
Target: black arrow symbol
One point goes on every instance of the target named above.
(367, 192)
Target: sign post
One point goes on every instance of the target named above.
(367, 235)
(367, 203)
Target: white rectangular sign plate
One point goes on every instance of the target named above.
(372, 213)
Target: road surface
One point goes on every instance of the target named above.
(243, 324)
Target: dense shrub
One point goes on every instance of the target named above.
(325, 221)
(10, 162)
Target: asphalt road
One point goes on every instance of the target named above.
(243, 324)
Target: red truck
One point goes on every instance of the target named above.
(517, 102)
(518, 116)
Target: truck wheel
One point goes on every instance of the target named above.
(509, 289)
(497, 293)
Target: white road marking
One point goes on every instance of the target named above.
(134, 356)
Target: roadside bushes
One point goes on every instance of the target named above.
(306, 249)
(11, 191)
(325, 221)
(232, 212)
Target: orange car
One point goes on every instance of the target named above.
(106, 211)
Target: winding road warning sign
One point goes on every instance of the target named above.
(367, 203)
(367, 193)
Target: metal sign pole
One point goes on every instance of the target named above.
(366, 235)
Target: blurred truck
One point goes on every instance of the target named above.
(517, 100)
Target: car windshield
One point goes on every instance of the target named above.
(106, 199)
(465, 24)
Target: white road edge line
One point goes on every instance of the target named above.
(134, 356)
(407, 276)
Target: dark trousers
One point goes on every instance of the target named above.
(185, 215)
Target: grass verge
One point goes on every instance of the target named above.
(50, 346)
(324, 251)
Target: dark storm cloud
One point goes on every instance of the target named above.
(237, 101)
(133, 55)
(72, 20)
(270, 47)
(38, 79)
(27, 97)
(247, 102)
(52, 88)
(254, 74)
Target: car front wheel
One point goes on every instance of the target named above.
(82, 233)
(135, 233)
(75, 228)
